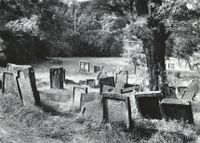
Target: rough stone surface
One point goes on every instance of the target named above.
(9, 83)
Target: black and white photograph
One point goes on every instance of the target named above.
(99, 71)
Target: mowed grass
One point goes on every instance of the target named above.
(56, 121)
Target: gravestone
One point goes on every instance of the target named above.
(84, 66)
(100, 75)
(191, 91)
(88, 97)
(177, 109)
(9, 83)
(82, 82)
(122, 109)
(77, 91)
(98, 69)
(27, 87)
(91, 82)
(121, 80)
(106, 81)
(57, 77)
(172, 90)
(148, 104)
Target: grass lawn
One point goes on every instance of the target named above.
(33, 125)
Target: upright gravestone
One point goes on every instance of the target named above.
(57, 77)
(9, 83)
(121, 80)
(121, 111)
(148, 104)
(98, 69)
(84, 66)
(27, 87)
(77, 91)
(106, 81)
(177, 109)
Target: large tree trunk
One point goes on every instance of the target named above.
(141, 7)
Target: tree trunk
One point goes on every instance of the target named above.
(141, 7)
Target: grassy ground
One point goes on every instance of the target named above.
(31, 124)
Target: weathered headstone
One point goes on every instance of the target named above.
(177, 109)
(124, 111)
(148, 104)
(98, 69)
(192, 90)
(91, 82)
(9, 83)
(84, 66)
(27, 87)
(121, 80)
(88, 97)
(77, 91)
(106, 81)
(57, 77)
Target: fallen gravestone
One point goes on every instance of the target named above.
(27, 87)
(177, 109)
(57, 77)
(148, 104)
(77, 91)
(122, 109)
(98, 69)
(191, 91)
(84, 66)
(88, 97)
(91, 82)
(106, 81)
(9, 83)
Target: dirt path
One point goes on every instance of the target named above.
(11, 132)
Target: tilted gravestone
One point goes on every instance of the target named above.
(106, 81)
(91, 82)
(191, 91)
(84, 66)
(98, 68)
(121, 111)
(27, 86)
(57, 77)
(9, 83)
(177, 109)
(88, 97)
(77, 91)
(148, 104)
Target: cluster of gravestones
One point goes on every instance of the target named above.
(21, 80)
